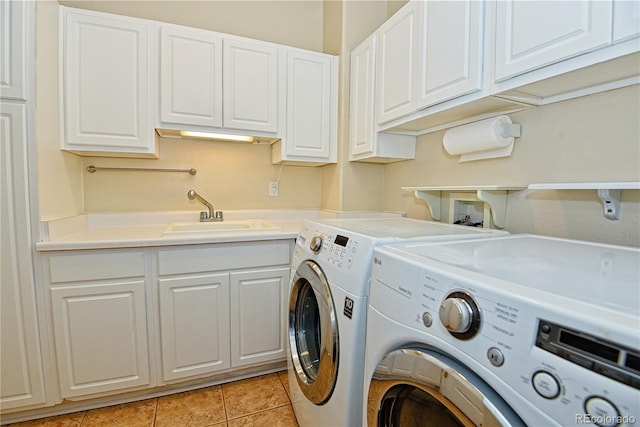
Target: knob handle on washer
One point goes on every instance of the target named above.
(456, 315)
(315, 244)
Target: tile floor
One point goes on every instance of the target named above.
(260, 401)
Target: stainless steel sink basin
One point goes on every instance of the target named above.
(228, 226)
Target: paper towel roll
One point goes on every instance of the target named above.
(479, 140)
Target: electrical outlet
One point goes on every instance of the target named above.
(273, 188)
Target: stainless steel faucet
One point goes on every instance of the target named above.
(210, 216)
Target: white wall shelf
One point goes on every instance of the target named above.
(608, 192)
(495, 196)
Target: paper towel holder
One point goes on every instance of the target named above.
(496, 138)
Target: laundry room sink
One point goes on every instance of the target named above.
(230, 226)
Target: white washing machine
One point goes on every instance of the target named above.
(517, 330)
(328, 306)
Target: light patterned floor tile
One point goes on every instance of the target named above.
(253, 395)
(196, 408)
(279, 417)
(135, 414)
(284, 379)
(69, 420)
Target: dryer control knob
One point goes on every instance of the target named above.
(456, 315)
(315, 244)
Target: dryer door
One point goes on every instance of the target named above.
(421, 387)
(313, 333)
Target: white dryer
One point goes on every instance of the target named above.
(328, 306)
(517, 330)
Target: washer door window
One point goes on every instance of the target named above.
(425, 388)
(313, 333)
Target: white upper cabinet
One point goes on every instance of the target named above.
(250, 86)
(362, 107)
(107, 78)
(396, 64)
(190, 77)
(365, 144)
(450, 50)
(533, 34)
(626, 19)
(311, 109)
(13, 19)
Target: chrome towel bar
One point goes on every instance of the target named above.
(93, 169)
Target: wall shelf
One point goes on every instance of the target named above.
(495, 196)
(608, 192)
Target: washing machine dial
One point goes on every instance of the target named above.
(459, 314)
(316, 243)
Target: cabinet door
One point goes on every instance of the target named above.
(361, 108)
(250, 86)
(21, 370)
(396, 56)
(13, 21)
(194, 325)
(626, 19)
(450, 50)
(311, 107)
(190, 77)
(101, 337)
(259, 316)
(532, 34)
(107, 81)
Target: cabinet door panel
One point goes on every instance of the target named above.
(362, 105)
(451, 51)
(190, 77)
(396, 64)
(194, 325)
(12, 45)
(259, 316)
(101, 337)
(626, 19)
(250, 86)
(532, 34)
(21, 371)
(106, 82)
(309, 106)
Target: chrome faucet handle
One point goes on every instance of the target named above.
(204, 216)
(218, 216)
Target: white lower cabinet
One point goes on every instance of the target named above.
(194, 325)
(222, 307)
(99, 320)
(259, 316)
(101, 337)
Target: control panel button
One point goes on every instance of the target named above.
(602, 411)
(460, 315)
(495, 356)
(427, 320)
(455, 315)
(315, 244)
(546, 385)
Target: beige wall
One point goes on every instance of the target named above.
(229, 175)
(292, 23)
(591, 139)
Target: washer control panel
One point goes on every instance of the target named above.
(539, 358)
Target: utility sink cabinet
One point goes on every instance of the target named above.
(222, 307)
(131, 319)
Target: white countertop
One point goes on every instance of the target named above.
(145, 229)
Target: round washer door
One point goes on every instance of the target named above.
(313, 333)
(421, 387)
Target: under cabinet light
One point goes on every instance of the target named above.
(207, 135)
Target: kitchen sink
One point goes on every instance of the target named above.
(228, 226)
